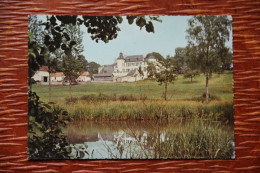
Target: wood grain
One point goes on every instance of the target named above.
(13, 82)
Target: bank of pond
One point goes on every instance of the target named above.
(151, 129)
(131, 129)
(175, 139)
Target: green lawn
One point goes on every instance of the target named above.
(219, 85)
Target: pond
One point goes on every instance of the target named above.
(175, 139)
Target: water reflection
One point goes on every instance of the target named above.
(134, 139)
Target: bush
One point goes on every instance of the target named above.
(45, 137)
(114, 97)
(69, 100)
(203, 98)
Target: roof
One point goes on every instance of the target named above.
(103, 75)
(132, 72)
(43, 68)
(85, 73)
(134, 58)
(58, 74)
(107, 69)
(121, 56)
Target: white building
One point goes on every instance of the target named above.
(42, 76)
(84, 77)
(125, 69)
(57, 78)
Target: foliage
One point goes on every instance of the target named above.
(72, 68)
(179, 60)
(191, 74)
(45, 136)
(157, 55)
(226, 61)
(140, 71)
(92, 68)
(103, 97)
(100, 28)
(164, 72)
(206, 44)
(35, 51)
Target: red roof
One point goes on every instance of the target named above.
(85, 73)
(44, 68)
(58, 74)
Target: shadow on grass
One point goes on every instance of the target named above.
(189, 82)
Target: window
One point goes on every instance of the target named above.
(45, 78)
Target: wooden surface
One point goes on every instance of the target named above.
(13, 82)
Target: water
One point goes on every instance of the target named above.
(128, 140)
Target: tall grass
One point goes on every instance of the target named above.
(197, 139)
(150, 109)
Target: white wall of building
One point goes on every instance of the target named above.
(41, 76)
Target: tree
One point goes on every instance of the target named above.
(72, 68)
(157, 55)
(35, 49)
(191, 74)
(100, 28)
(226, 60)
(93, 67)
(179, 60)
(164, 73)
(207, 36)
(140, 71)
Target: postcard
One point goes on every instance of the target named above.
(130, 87)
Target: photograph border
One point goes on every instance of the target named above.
(14, 85)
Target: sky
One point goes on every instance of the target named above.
(168, 35)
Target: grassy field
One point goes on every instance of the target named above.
(132, 102)
(181, 89)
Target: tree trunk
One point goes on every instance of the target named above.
(191, 79)
(49, 87)
(165, 91)
(70, 90)
(207, 87)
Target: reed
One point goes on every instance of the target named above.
(197, 139)
(148, 110)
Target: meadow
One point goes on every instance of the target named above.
(181, 89)
(143, 99)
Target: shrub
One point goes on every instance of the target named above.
(114, 97)
(69, 100)
(45, 137)
(203, 98)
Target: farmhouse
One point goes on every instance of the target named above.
(42, 76)
(57, 78)
(84, 77)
